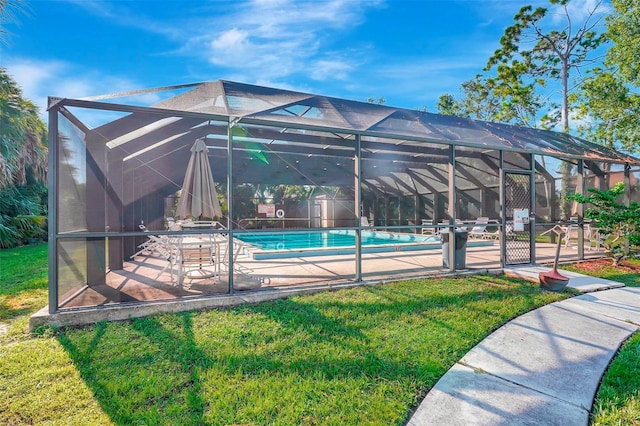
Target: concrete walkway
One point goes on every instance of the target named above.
(542, 368)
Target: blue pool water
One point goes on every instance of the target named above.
(328, 242)
(324, 240)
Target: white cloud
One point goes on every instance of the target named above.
(120, 14)
(41, 79)
(35, 78)
(579, 11)
(260, 40)
(325, 69)
(276, 39)
(234, 39)
(286, 18)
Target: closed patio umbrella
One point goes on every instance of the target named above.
(198, 198)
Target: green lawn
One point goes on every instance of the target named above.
(23, 284)
(360, 356)
(618, 399)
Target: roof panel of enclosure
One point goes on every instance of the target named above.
(284, 111)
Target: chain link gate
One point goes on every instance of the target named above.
(517, 196)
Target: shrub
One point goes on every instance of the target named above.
(620, 223)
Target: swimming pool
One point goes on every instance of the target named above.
(274, 245)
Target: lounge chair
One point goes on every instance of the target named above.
(479, 229)
(154, 243)
(591, 235)
(427, 231)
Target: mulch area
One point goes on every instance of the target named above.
(599, 264)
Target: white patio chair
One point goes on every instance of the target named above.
(196, 258)
(427, 231)
(479, 228)
(590, 238)
(599, 237)
(572, 232)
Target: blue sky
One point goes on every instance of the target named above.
(407, 51)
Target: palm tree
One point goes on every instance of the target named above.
(23, 150)
(23, 165)
(7, 9)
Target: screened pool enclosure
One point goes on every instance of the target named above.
(220, 188)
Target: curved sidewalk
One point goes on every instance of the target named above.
(543, 367)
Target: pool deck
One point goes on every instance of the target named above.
(256, 280)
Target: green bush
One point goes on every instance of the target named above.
(620, 223)
(22, 214)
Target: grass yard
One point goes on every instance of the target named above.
(23, 284)
(618, 399)
(360, 356)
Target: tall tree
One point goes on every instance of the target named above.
(528, 50)
(480, 101)
(624, 31)
(447, 105)
(519, 102)
(491, 100)
(531, 56)
(610, 112)
(610, 98)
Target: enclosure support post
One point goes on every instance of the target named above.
(627, 184)
(416, 211)
(53, 209)
(230, 248)
(358, 203)
(452, 207)
(627, 195)
(580, 209)
(115, 213)
(532, 212)
(386, 209)
(503, 214)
